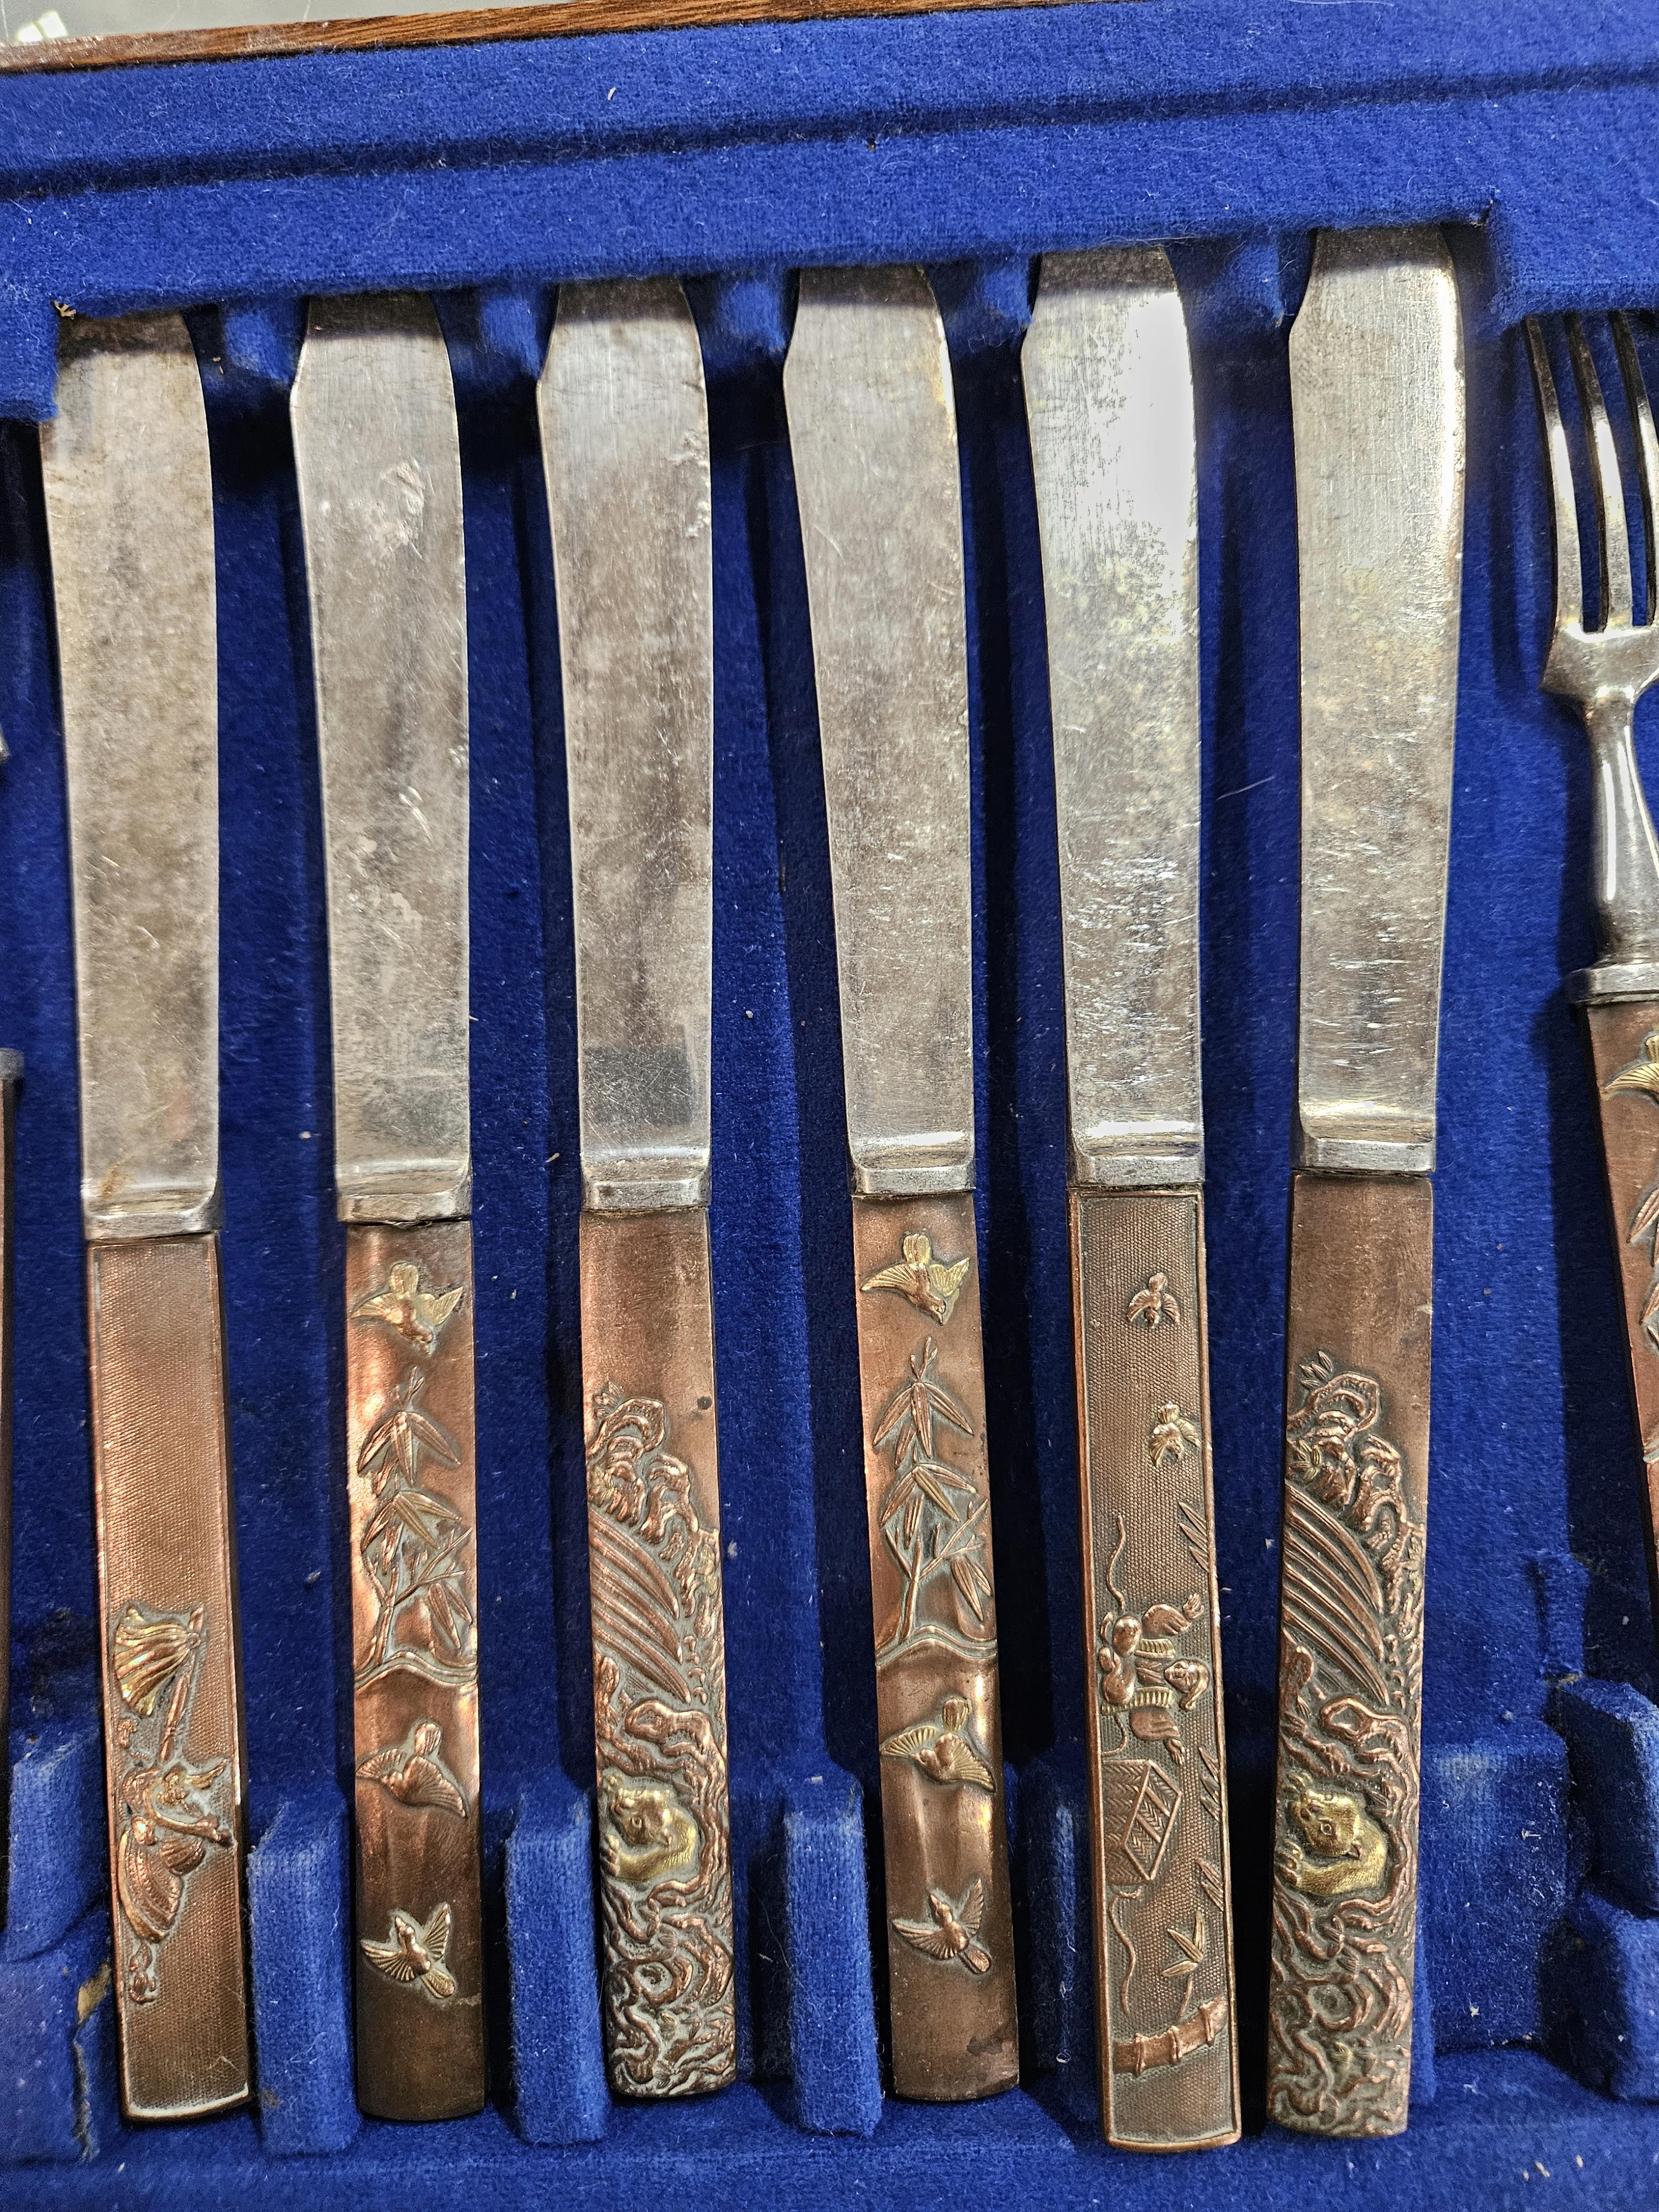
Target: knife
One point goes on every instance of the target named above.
(1377, 383)
(377, 452)
(129, 502)
(625, 447)
(873, 431)
(1108, 398)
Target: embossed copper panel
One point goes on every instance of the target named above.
(417, 1942)
(11, 1069)
(950, 1934)
(1169, 2068)
(173, 1702)
(654, 1533)
(1624, 1047)
(1351, 1669)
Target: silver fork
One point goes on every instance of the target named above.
(1604, 671)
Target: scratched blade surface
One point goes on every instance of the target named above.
(129, 506)
(872, 433)
(625, 444)
(1109, 398)
(1377, 383)
(378, 455)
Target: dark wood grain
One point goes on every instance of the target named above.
(574, 19)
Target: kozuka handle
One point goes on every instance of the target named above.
(11, 1072)
(1163, 1954)
(1623, 1048)
(950, 1932)
(1351, 1653)
(669, 1997)
(418, 1939)
(172, 1693)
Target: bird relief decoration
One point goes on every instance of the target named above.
(167, 1816)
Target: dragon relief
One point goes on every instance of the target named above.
(167, 1816)
(1350, 1675)
(1145, 1684)
(659, 1726)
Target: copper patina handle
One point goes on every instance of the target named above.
(412, 1477)
(1164, 1958)
(171, 1675)
(921, 1365)
(1351, 1653)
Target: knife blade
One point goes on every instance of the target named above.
(130, 522)
(378, 456)
(871, 421)
(624, 430)
(1376, 381)
(1109, 403)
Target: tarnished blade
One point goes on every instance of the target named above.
(378, 456)
(1108, 396)
(130, 515)
(872, 433)
(625, 441)
(1376, 384)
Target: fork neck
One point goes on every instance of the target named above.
(1624, 859)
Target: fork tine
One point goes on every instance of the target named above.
(1569, 564)
(1617, 611)
(1647, 444)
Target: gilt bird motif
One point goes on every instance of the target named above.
(1154, 1302)
(943, 1748)
(1173, 1434)
(418, 1315)
(1641, 1074)
(415, 1953)
(951, 1933)
(414, 1771)
(927, 1282)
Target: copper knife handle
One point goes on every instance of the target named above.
(950, 1930)
(1623, 1036)
(172, 1673)
(668, 1988)
(412, 1468)
(1351, 1653)
(1157, 1789)
(11, 1072)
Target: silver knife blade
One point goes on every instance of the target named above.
(378, 455)
(625, 436)
(1377, 385)
(128, 495)
(873, 431)
(1108, 396)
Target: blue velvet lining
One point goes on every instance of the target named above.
(728, 156)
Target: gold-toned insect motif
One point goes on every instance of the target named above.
(933, 1285)
(415, 1952)
(950, 1934)
(943, 1748)
(1173, 1436)
(1154, 1302)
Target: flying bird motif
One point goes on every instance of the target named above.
(943, 1749)
(1154, 1302)
(1172, 1436)
(415, 1953)
(418, 1315)
(927, 1282)
(414, 1771)
(1641, 1074)
(951, 1933)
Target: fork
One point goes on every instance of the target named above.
(1604, 671)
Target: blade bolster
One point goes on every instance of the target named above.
(158, 1213)
(932, 1165)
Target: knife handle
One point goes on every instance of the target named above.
(921, 1367)
(669, 1993)
(172, 1673)
(11, 1074)
(1163, 1949)
(1623, 1037)
(1357, 1349)
(418, 1938)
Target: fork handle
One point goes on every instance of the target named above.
(1624, 860)
(1619, 1036)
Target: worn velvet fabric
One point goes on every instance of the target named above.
(971, 142)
